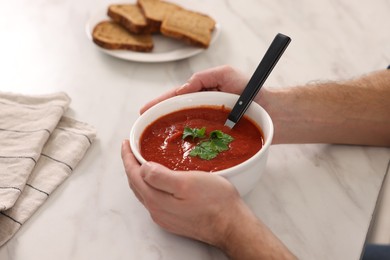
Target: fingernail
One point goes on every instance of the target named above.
(180, 89)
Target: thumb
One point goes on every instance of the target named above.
(209, 79)
(161, 178)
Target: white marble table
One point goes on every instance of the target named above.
(319, 199)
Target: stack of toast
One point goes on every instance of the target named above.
(132, 25)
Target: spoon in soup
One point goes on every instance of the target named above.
(271, 57)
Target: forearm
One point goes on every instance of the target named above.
(351, 112)
(249, 238)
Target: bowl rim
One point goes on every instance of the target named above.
(232, 171)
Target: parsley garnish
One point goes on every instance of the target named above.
(208, 149)
(194, 132)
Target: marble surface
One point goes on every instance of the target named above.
(319, 199)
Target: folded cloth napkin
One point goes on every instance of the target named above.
(39, 149)
(25, 125)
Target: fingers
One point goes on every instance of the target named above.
(209, 79)
(161, 178)
(146, 193)
(131, 167)
(169, 94)
(129, 161)
(222, 78)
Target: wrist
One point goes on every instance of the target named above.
(238, 234)
(276, 102)
(248, 238)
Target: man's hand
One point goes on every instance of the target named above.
(194, 204)
(222, 78)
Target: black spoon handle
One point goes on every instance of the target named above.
(271, 57)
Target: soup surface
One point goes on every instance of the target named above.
(162, 141)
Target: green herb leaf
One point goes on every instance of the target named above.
(194, 132)
(220, 140)
(204, 150)
(208, 149)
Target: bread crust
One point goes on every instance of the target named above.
(155, 11)
(131, 26)
(130, 23)
(191, 27)
(110, 35)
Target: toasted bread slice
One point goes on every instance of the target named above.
(156, 10)
(111, 35)
(189, 26)
(129, 16)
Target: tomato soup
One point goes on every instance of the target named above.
(162, 141)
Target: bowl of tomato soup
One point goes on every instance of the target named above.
(187, 132)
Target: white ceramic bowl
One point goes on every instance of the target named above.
(243, 176)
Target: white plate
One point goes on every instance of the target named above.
(165, 49)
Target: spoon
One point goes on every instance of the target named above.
(271, 57)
